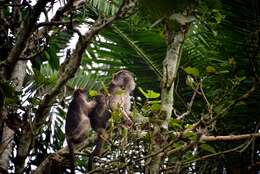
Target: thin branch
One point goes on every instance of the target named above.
(204, 96)
(53, 23)
(179, 117)
(184, 163)
(59, 13)
(243, 97)
(134, 161)
(229, 137)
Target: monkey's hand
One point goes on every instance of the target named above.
(127, 121)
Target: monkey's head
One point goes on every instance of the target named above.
(80, 93)
(124, 79)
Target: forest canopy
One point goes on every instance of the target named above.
(195, 107)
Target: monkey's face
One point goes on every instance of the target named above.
(124, 79)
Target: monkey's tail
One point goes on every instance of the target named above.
(72, 166)
(96, 152)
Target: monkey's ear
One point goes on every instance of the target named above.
(114, 78)
(83, 90)
(79, 92)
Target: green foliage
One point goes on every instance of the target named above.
(191, 82)
(219, 62)
(93, 93)
(106, 7)
(175, 124)
(190, 135)
(192, 71)
(150, 94)
(128, 44)
(211, 70)
(208, 148)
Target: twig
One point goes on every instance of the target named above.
(244, 96)
(179, 117)
(184, 163)
(204, 96)
(53, 23)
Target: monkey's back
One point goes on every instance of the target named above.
(100, 115)
(77, 124)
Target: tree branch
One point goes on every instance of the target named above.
(53, 23)
(205, 157)
(60, 155)
(179, 117)
(229, 137)
(24, 32)
(74, 62)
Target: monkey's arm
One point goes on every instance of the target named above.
(89, 106)
(126, 119)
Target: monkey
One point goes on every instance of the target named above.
(119, 90)
(77, 122)
(99, 118)
(118, 97)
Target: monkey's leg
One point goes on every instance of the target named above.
(96, 152)
(124, 140)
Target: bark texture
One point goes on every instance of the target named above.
(6, 148)
(174, 37)
(17, 78)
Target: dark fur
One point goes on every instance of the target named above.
(77, 121)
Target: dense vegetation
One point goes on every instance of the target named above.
(196, 65)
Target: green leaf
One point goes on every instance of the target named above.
(155, 107)
(178, 144)
(8, 89)
(232, 61)
(104, 88)
(34, 101)
(53, 58)
(191, 135)
(208, 148)
(8, 100)
(47, 55)
(188, 126)
(211, 70)
(174, 123)
(217, 16)
(93, 93)
(116, 115)
(190, 82)
(192, 71)
(150, 94)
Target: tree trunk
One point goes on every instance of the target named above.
(174, 39)
(6, 146)
(17, 79)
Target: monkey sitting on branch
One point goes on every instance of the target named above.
(119, 90)
(77, 121)
(117, 99)
(83, 115)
